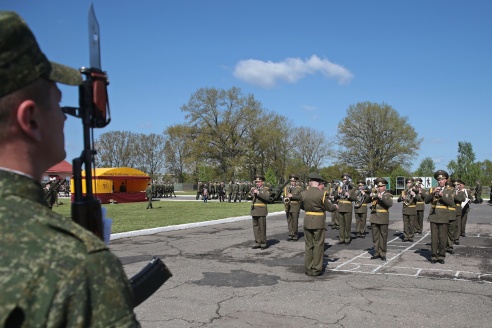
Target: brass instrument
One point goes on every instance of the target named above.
(407, 195)
(287, 204)
(437, 195)
(360, 197)
(253, 196)
(344, 188)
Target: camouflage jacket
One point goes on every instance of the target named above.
(53, 272)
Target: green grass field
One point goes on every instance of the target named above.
(134, 216)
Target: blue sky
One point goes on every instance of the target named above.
(307, 60)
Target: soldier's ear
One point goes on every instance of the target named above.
(28, 120)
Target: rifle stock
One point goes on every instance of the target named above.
(149, 279)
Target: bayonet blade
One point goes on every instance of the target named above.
(94, 41)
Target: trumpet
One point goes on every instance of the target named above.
(437, 195)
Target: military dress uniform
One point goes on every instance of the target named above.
(409, 210)
(453, 236)
(381, 202)
(315, 202)
(259, 211)
(465, 207)
(293, 207)
(361, 211)
(420, 206)
(52, 269)
(439, 218)
(345, 211)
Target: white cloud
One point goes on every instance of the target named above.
(268, 74)
(308, 108)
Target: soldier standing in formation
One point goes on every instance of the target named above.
(229, 191)
(148, 195)
(259, 211)
(360, 209)
(235, 191)
(346, 195)
(334, 214)
(459, 197)
(478, 193)
(440, 198)
(465, 208)
(409, 198)
(199, 190)
(419, 221)
(292, 199)
(381, 202)
(315, 203)
(221, 191)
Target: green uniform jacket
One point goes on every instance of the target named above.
(51, 269)
(259, 206)
(295, 200)
(439, 212)
(421, 203)
(148, 192)
(380, 208)
(315, 202)
(459, 197)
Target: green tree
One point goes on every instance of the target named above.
(177, 150)
(115, 149)
(375, 138)
(464, 167)
(426, 168)
(311, 146)
(222, 121)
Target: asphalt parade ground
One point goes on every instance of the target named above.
(220, 281)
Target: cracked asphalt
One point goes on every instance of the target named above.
(220, 281)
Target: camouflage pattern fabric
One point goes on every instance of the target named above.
(53, 272)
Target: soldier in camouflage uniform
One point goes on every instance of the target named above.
(53, 272)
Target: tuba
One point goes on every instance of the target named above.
(361, 196)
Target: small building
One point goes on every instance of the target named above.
(116, 184)
(62, 170)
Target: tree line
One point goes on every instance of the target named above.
(227, 135)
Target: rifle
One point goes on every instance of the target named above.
(94, 112)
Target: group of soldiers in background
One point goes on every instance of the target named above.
(232, 192)
(163, 190)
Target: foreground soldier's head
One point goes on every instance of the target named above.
(31, 121)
